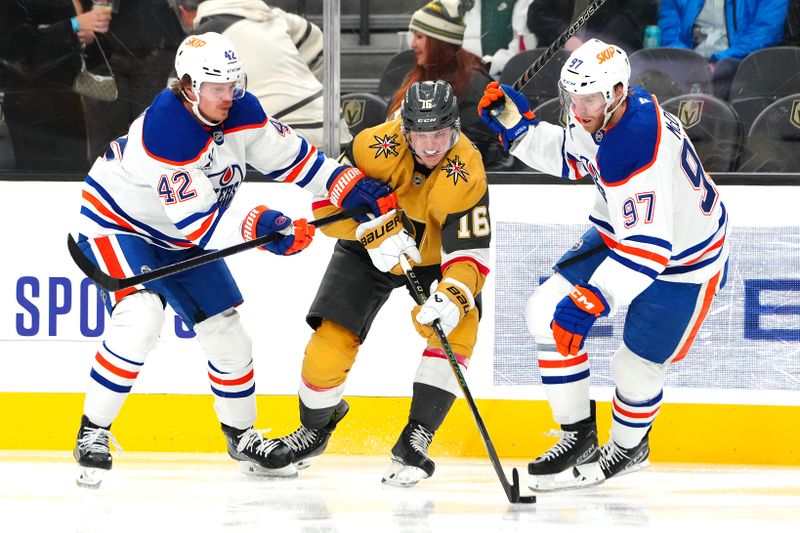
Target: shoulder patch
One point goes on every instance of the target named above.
(455, 169)
(632, 144)
(246, 113)
(170, 133)
(385, 145)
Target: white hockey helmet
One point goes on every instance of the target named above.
(210, 57)
(595, 67)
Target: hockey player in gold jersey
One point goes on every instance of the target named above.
(442, 225)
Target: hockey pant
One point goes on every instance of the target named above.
(654, 336)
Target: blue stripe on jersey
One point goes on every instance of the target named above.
(240, 394)
(210, 232)
(605, 225)
(134, 222)
(631, 424)
(695, 266)
(556, 380)
(194, 217)
(631, 144)
(650, 240)
(109, 350)
(162, 120)
(246, 111)
(108, 384)
(312, 172)
(649, 272)
(699, 246)
(275, 174)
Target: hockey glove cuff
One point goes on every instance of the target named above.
(351, 188)
(514, 119)
(450, 300)
(386, 239)
(575, 315)
(292, 237)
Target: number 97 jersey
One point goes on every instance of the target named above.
(655, 208)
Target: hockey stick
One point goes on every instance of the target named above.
(548, 54)
(511, 489)
(116, 284)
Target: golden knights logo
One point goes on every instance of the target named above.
(385, 146)
(353, 111)
(690, 112)
(455, 169)
(794, 116)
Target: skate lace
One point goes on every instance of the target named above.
(254, 441)
(566, 440)
(611, 454)
(420, 439)
(301, 438)
(96, 440)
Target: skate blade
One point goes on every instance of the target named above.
(577, 477)
(400, 475)
(90, 478)
(252, 469)
(634, 468)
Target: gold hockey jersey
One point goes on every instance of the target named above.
(446, 208)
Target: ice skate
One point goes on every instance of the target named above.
(574, 461)
(617, 461)
(259, 456)
(308, 443)
(93, 453)
(410, 461)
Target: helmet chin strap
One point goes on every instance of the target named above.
(196, 109)
(610, 112)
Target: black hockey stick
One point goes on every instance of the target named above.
(512, 488)
(116, 284)
(551, 50)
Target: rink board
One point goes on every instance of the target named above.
(684, 433)
(735, 400)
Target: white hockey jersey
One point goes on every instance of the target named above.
(655, 206)
(170, 179)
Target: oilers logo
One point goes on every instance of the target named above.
(226, 183)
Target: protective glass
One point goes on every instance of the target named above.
(223, 91)
(430, 143)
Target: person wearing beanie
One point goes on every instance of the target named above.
(437, 35)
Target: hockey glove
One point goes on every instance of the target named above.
(385, 240)
(351, 188)
(292, 236)
(575, 315)
(513, 121)
(450, 300)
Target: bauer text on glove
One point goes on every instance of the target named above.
(386, 239)
(292, 237)
(575, 315)
(351, 188)
(515, 118)
(450, 300)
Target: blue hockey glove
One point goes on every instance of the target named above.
(575, 315)
(515, 118)
(351, 188)
(292, 236)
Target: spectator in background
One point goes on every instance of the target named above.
(791, 33)
(618, 21)
(40, 47)
(498, 30)
(722, 31)
(140, 47)
(437, 34)
(281, 52)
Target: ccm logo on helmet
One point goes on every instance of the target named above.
(606, 54)
(194, 42)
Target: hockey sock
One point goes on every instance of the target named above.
(632, 420)
(566, 383)
(430, 405)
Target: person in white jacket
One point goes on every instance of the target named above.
(281, 53)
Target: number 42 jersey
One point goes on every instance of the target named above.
(655, 208)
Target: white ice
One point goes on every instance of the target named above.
(150, 493)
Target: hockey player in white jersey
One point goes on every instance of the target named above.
(156, 198)
(657, 246)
